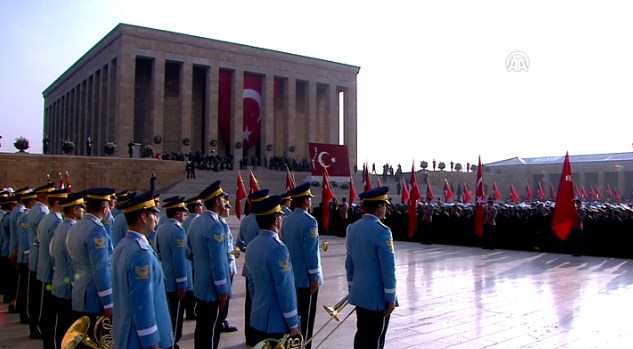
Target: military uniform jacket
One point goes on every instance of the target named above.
(170, 240)
(5, 227)
(45, 232)
(119, 228)
(370, 264)
(107, 222)
(229, 246)
(141, 314)
(248, 231)
(24, 239)
(206, 242)
(38, 211)
(301, 234)
(62, 265)
(88, 245)
(272, 287)
(13, 227)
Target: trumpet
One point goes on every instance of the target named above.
(324, 245)
(236, 252)
(286, 342)
(334, 312)
(78, 334)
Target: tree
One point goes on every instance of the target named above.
(424, 164)
(458, 167)
(441, 165)
(21, 144)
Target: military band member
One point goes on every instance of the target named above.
(300, 233)
(89, 246)
(45, 231)
(428, 209)
(141, 314)
(195, 207)
(119, 227)
(248, 231)
(286, 200)
(371, 270)
(73, 207)
(37, 212)
(8, 205)
(170, 241)
(490, 226)
(274, 307)
(212, 283)
(226, 326)
(27, 199)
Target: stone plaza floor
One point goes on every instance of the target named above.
(463, 297)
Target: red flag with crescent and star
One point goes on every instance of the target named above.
(290, 179)
(528, 192)
(552, 192)
(514, 194)
(479, 202)
(429, 191)
(565, 216)
(618, 198)
(467, 195)
(326, 196)
(609, 191)
(405, 193)
(541, 193)
(352, 190)
(412, 209)
(61, 182)
(583, 192)
(448, 193)
(333, 157)
(239, 195)
(252, 95)
(253, 186)
(496, 193)
(367, 186)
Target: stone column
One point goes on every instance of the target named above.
(237, 117)
(351, 123)
(311, 129)
(332, 118)
(211, 115)
(268, 116)
(186, 83)
(290, 116)
(124, 100)
(158, 101)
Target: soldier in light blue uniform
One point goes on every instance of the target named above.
(274, 308)
(170, 241)
(301, 234)
(63, 274)
(8, 204)
(88, 245)
(108, 221)
(212, 279)
(195, 207)
(141, 313)
(286, 201)
(37, 212)
(248, 231)
(21, 253)
(371, 270)
(226, 326)
(44, 274)
(119, 227)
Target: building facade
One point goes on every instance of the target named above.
(182, 93)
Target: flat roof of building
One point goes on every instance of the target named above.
(549, 160)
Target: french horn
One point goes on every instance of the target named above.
(286, 342)
(78, 333)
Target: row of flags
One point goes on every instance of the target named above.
(61, 184)
(564, 217)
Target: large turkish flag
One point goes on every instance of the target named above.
(333, 157)
(251, 133)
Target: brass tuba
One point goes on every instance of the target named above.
(334, 312)
(236, 252)
(286, 342)
(78, 333)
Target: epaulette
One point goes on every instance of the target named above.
(143, 244)
(309, 215)
(96, 221)
(383, 225)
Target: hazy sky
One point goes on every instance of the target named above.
(433, 82)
